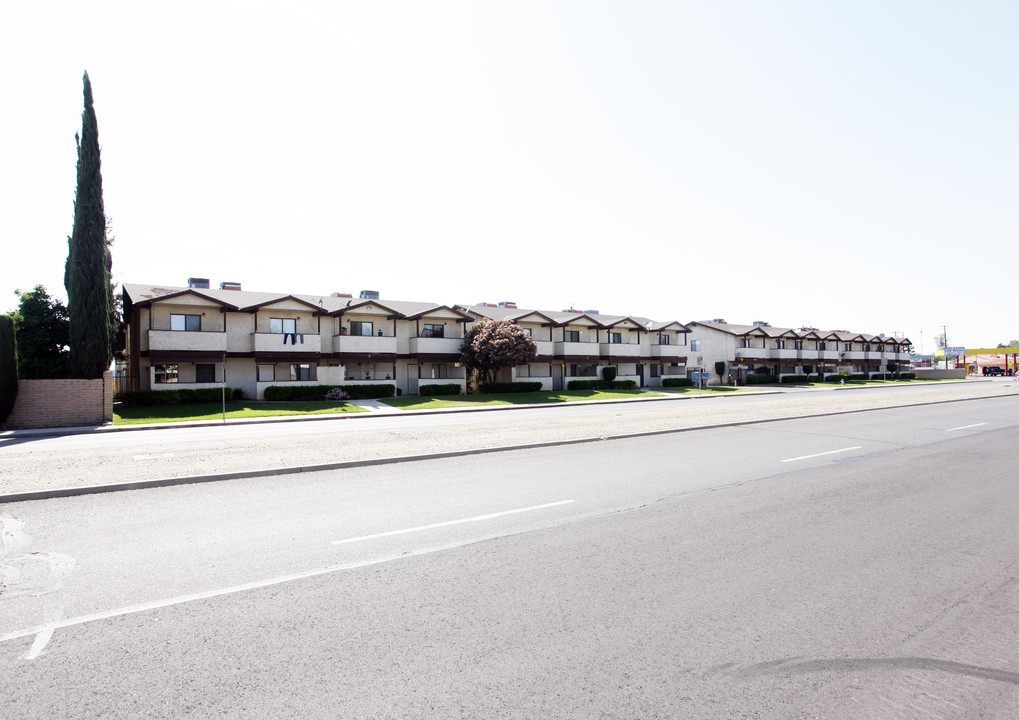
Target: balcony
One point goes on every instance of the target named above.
(619, 350)
(751, 353)
(364, 345)
(545, 348)
(178, 340)
(435, 346)
(567, 350)
(784, 354)
(287, 342)
(670, 353)
(832, 355)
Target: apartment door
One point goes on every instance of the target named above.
(640, 374)
(412, 379)
(557, 376)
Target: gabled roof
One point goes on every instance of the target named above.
(352, 305)
(436, 310)
(609, 322)
(504, 313)
(318, 308)
(142, 295)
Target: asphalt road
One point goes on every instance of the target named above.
(856, 565)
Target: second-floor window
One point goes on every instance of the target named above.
(744, 342)
(431, 330)
(615, 338)
(820, 346)
(190, 323)
(282, 325)
(664, 339)
(360, 328)
(695, 345)
(799, 344)
(571, 335)
(780, 344)
(847, 347)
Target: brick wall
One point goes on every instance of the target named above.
(62, 403)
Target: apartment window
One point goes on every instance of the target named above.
(799, 344)
(744, 342)
(190, 323)
(695, 345)
(439, 372)
(283, 325)
(526, 331)
(361, 328)
(205, 372)
(266, 373)
(656, 371)
(300, 371)
(576, 370)
(523, 371)
(866, 348)
(431, 331)
(664, 339)
(780, 344)
(820, 346)
(571, 335)
(848, 347)
(615, 338)
(165, 373)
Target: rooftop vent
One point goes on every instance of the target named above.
(198, 283)
(761, 323)
(592, 312)
(571, 310)
(341, 295)
(369, 294)
(719, 320)
(229, 286)
(508, 304)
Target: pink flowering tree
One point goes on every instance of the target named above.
(491, 345)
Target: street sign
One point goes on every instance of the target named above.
(956, 350)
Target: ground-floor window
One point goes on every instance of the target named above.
(656, 371)
(439, 371)
(523, 371)
(166, 373)
(266, 373)
(300, 371)
(205, 372)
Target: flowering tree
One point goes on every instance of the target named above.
(491, 345)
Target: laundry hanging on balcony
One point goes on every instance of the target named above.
(293, 338)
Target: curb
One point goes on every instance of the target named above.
(347, 464)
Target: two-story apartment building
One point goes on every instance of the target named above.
(200, 336)
(759, 348)
(575, 344)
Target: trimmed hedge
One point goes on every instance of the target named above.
(141, 398)
(796, 379)
(762, 379)
(316, 392)
(601, 385)
(444, 389)
(677, 382)
(510, 387)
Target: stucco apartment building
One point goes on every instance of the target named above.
(197, 336)
(761, 349)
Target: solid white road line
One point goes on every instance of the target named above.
(965, 427)
(448, 523)
(830, 452)
(43, 633)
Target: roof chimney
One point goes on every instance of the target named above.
(198, 283)
(508, 304)
(369, 294)
(229, 286)
(341, 295)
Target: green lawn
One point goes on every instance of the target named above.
(234, 409)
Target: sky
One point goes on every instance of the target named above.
(841, 165)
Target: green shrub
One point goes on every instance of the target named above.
(907, 376)
(317, 392)
(601, 385)
(8, 367)
(143, 398)
(609, 373)
(677, 382)
(443, 389)
(796, 379)
(762, 379)
(511, 387)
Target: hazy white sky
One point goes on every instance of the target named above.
(847, 165)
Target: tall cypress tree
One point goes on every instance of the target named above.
(87, 273)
